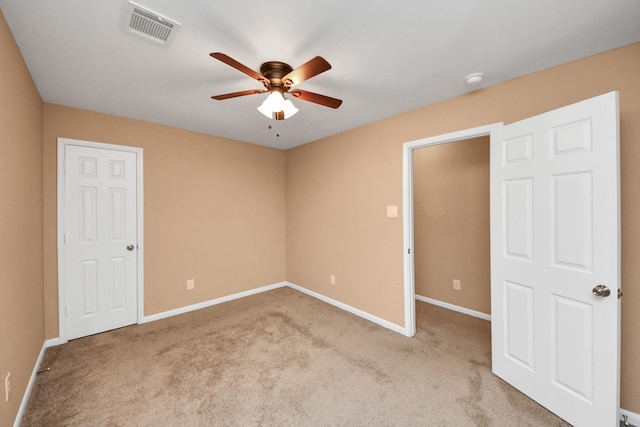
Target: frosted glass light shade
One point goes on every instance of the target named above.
(274, 103)
(289, 109)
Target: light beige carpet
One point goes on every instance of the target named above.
(280, 358)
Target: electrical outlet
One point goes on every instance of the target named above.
(7, 387)
(332, 279)
(191, 283)
(456, 284)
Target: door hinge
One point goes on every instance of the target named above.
(66, 311)
(619, 293)
(409, 251)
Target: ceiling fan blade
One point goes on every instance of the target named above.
(307, 70)
(327, 101)
(236, 94)
(238, 66)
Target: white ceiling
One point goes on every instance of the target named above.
(388, 57)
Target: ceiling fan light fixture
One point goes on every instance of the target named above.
(276, 103)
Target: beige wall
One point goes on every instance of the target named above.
(214, 209)
(338, 187)
(451, 223)
(337, 193)
(21, 304)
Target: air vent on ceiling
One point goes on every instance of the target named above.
(149, 24)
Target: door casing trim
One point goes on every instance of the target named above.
(62, 143)
(407, 211)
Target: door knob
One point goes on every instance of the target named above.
(601, 291)
(130, 248)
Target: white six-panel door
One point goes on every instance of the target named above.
(554, 238)
(100, 267)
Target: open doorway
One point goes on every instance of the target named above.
(408, 210)
(451, 203)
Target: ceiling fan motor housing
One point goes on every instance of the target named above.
(274, 71)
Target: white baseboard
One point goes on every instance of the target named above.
(453, 307)
(27, 391)
(352, 310)
(205, 304)
(631, 418)
(54, 342)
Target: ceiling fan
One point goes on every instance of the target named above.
(279, 79)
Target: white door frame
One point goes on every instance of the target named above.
(62, 143)
(407, 211)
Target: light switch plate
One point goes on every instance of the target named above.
(392, 211)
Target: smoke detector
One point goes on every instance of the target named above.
(474, 79)
(148, 24)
